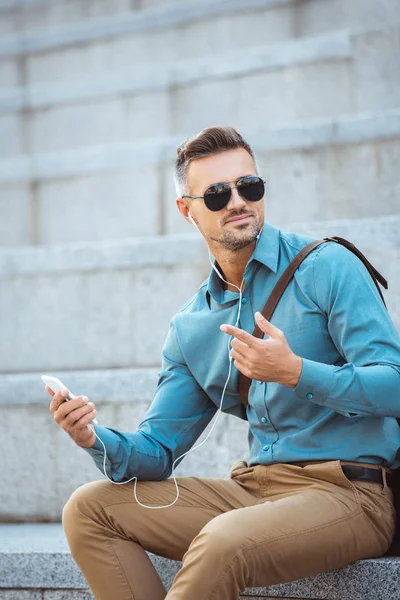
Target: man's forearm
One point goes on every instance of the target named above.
(129, 455)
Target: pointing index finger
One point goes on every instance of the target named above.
(239, 334)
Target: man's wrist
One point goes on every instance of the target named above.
(90, 442)
(295, 372)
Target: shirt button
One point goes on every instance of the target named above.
(309, 395)
(261, 382)
(264, 419)
(266, 448)
(244, 300)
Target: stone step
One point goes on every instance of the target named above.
(90, 305)
(165, 32)
(35, 559)
(315, 170)
(344, 74)
(182, 72)
(22, 16)
(108, 305)
(30, 552)
(53, 25)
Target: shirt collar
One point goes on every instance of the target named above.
(267, 248)
(266, 252)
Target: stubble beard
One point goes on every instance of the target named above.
(237, 240)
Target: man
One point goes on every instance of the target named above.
(324, 395)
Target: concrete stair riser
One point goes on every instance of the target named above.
(17, 18)
(178, 73)
(92, 318)
(320, 169)
(173, 30)
(339, 81)
(93, 307)
(144, 23)
(349, 181)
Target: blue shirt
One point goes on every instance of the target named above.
(348, 395)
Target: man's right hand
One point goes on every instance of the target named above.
(74, 416)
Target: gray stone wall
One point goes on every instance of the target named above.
(95, 97)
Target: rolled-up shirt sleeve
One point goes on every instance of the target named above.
(178, 414)
(368, 384)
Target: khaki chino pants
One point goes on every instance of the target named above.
(262, 525)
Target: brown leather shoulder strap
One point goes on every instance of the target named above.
(282, 283)
(376, 276)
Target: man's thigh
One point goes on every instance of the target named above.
(114, 511)
(309, 521)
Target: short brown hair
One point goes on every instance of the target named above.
(209, 141)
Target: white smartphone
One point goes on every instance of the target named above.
(56, 385)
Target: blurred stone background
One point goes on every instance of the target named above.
(95, 259)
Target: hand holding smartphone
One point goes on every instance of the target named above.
(74, 414)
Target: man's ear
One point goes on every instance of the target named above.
(183, 208)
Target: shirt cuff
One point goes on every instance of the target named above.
(108, 438)
(315, 382)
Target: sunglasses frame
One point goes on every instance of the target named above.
(231, 187)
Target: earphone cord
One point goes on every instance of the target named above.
(209, 433)
(217, 413)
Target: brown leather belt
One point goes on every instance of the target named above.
(365, 474)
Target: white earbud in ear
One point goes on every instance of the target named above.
(192, 220)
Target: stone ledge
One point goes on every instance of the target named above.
(111, 386)
(130, 253)
(172, 250)
(14, 4)
(180, 73)
(363, 232)
(370, 579)
(168, 15)
(307, 135)
(36, 556)
(32, 594)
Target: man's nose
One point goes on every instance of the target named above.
(235, 201)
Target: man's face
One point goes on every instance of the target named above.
(238, 223)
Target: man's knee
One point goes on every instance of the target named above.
(220, 537)
(83, 503)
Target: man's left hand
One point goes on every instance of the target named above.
(268, 359)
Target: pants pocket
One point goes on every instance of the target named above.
(240, 466)
(373, 497)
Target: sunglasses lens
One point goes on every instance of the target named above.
(251, 188)
(217, 196)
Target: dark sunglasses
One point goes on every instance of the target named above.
(217, 196)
